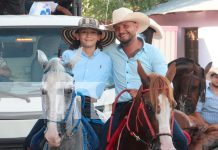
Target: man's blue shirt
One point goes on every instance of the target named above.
(209, 109)
(125, 69)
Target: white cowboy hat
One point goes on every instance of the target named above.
(124, 14)
(69, 33)
(158, 29)
(211, 71)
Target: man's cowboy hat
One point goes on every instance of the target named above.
(211, 72)
(69, 33)
(158, 29)
(124, 14)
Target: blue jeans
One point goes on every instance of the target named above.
(179, 139)
(37, 128)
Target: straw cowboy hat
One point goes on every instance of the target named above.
(211, 72)
(124, 14)
(158, 29)
(69, 33)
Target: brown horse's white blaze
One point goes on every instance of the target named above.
(163, 118)
(54, 83)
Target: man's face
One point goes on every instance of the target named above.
(88, 37)
(214, 80)
(125, 31)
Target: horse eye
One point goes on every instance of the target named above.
(68, 91)
(44, 92)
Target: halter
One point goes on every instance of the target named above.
(151, 129)
(201, 90)
(64, 121)
(141, 108)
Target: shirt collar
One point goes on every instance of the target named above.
(120, 49)
(96, 52)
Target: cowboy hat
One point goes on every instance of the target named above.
(211, 72)
(158, 29)
(124, 14)
(69, 33)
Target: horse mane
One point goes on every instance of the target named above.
(160, 84)
(183, 60)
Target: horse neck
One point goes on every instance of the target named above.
(134, 116)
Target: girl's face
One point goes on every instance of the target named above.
(88, 37)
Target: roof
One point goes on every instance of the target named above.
(37, 20)
(183, 6)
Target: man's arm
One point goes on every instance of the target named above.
(200, 118)
(63, 10)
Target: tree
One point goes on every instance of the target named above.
(102, 9)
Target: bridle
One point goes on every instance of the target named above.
(62, 124)
(188, 95)
(143, 109)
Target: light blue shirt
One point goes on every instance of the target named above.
(209, 109)
(90, 73)
(125, 69)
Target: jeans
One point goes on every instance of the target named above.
(38, 127)
(179, 139)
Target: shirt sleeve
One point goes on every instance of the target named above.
(110, 81)
(53, 6)
(158, 62)
(199, 106)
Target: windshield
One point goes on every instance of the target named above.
(20, 72)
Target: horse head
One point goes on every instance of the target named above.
(189, 84)
(150, 119)
(58, 97)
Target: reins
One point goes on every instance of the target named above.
(141, 108)
(112, 114)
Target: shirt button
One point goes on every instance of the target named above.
(127, 62)
(127, 72)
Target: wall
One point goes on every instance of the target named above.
(208, 28)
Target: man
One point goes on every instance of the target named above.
(91, 72)
(47, 8)
(127, 25)
(207, 111)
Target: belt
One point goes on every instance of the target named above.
(90, 99)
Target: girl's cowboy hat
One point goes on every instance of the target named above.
(124, 14)
(158, 29)
(211, 72)
(69, 33)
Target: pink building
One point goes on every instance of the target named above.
(191, 29)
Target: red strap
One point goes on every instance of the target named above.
(112, 114)
(115, 136)
(187, 135)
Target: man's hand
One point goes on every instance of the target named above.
(133, 92)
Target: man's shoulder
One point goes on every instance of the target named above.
(110, 48)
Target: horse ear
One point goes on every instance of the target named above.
(74, 60)
(171, 72)
(144, 77)
(42, 58)
(207, 68)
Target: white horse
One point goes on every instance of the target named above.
(64, 128)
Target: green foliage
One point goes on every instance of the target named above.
(102, 9)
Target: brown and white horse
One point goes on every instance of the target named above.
(150, 119)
